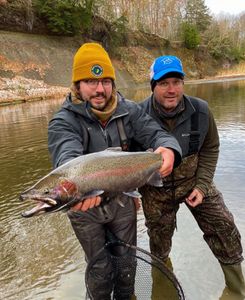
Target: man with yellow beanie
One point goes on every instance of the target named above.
(92, 118)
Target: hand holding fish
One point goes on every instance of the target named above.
(87, 204)
(94, 202)
(168, 160)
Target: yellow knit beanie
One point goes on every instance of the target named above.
(92, 61)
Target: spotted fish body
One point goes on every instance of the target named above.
(110, 171)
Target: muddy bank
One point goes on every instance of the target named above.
(47, 58)
(21, 90)
(230, 77)
(35, 67)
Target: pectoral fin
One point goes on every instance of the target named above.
(133, 194)
(92, 194)
(155, 180)
(78, 199)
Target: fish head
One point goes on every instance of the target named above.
(50, 193)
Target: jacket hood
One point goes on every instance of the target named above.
(79, 108)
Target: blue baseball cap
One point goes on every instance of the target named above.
(164, 65)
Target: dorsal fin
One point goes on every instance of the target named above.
(114, 149)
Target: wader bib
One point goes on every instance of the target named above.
(160, 206)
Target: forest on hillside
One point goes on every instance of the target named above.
(187, 23)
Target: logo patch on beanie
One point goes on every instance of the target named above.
(97, 70)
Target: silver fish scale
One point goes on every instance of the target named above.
(108, 171)
(119, 172)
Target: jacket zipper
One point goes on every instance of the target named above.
(104, 131)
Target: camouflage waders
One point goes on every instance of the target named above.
(160, 206)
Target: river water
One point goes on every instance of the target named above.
(40, 257)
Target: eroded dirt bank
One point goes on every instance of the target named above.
(35, 67)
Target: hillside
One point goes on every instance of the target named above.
(39, 66)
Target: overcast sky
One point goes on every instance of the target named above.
(226, 6)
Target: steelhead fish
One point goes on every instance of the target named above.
(107, 172)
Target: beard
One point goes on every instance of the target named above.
(98, 100)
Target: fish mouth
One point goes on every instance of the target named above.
(39, 198)
(44, 204)
(39, 209)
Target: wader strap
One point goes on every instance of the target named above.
(194, 134)
(122, 135)
(85, 135)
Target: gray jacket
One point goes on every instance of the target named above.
(67, 129)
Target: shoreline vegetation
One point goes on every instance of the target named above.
(21, 90)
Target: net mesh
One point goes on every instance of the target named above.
(137, 274)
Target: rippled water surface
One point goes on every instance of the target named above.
(40, 257)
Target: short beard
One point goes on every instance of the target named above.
(100, 94)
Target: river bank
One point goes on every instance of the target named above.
(37, 67)
(20, 90)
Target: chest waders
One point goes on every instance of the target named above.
(160, 205)
(190, 162)
(118, 214)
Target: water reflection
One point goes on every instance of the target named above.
(35, 253)
(41, 258)
(225, 99)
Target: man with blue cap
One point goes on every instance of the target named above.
(192, 123)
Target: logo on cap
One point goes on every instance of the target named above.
(164, 65)
(97, 70)
(167, 61)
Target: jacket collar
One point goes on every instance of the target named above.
(183, 116)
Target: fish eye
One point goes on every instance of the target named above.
(46, 191)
